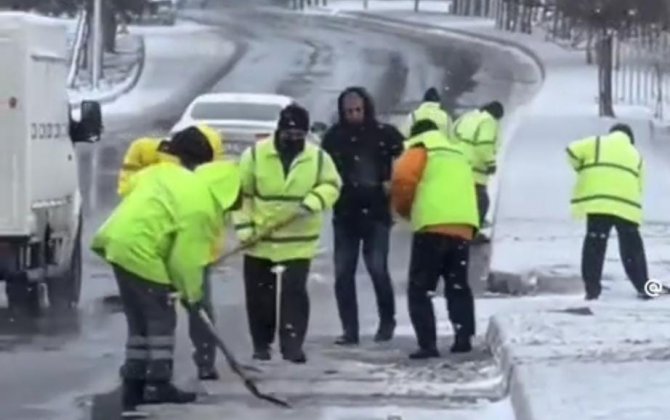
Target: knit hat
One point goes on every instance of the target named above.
(191, 147)
(495, 108)
(431, 95)
(624, 128)
(293, 117)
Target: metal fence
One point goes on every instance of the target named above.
(641, 59)
(642, 72)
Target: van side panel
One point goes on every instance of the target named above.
(15, 188)
(54, 183)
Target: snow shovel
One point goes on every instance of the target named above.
(235, 366)
(258, 238)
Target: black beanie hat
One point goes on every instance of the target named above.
(431, 95)
(293, 117)
(494, 108)
(191, 147)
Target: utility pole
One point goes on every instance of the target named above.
(96, 38)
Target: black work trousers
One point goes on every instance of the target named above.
(152, 320)
(374, 238)
(261, 296)
(631, 249)
(204, 354)
(483, 202)
(434, 256)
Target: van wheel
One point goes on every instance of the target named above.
(64, 291)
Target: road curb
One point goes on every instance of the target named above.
(498, 342)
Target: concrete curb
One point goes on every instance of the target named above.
(498, 343)
(127, 84)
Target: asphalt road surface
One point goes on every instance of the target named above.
(52, 366)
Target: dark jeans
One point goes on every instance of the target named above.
(204, 354)
(261, 294)
(374, 236)
(152, 320)
(434, 256)
(631, 249)
(483, 202)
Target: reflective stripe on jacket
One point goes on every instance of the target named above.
(609, 177)
(270, 197)
(478, 131)
(446, 193)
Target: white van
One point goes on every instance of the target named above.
(40, 200)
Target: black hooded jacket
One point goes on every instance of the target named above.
(363, 155)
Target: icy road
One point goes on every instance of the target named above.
(59, 368)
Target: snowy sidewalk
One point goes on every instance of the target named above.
(180, 61)
(606, 364)
(120, 72)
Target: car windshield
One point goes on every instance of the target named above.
(235, 111)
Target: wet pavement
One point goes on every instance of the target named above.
(51, 366)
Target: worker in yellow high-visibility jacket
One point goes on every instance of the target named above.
(608, 193)
(145, 152)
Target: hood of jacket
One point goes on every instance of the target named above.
(368, 106)
(223, 180)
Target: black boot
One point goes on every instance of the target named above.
(462, 344)
(207, 373)
(424, 354)
(164, 392)
(262, 354)
(297, 357)
(346, 340)
(385, 331)
(132, 395)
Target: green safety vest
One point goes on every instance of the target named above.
(432, 111)
(163, 230)
(271, 197)
(478, 131)
(446, 192)
(609, 177)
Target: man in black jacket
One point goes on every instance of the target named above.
(363, 151)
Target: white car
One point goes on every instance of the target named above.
(241, 118)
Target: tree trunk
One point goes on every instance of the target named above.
(606, 107)
(109, 28)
